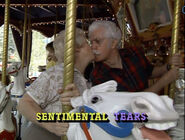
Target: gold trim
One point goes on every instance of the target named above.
(52, 5)
(175, 38)
(69, 49)
(5, 42)
(17, 29)
(146, 35)
(56, 27)
(63, 21)
(29, 40)
(24, 35)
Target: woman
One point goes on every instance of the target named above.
(42, 95)
(51, 58)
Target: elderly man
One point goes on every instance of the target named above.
(129, 66)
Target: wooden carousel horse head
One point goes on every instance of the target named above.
(19, 75)
(104, 99)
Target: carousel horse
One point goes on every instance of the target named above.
(17, 91)
(7, 121)
(103, 99)
(19, 75)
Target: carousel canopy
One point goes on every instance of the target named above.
(48, 16)
(45, 14)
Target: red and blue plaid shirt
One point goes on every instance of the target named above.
(132, 77)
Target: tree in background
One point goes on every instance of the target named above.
(38, 56)
(12, 51)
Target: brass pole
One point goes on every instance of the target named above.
(69, 49)
(123, 24)
(175, 36)
(24, 35)
(5, 41)
(55, 29)
(83, 16)
(29, 40)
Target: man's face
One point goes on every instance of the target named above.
(101, 45)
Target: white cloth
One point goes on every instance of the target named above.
(109, 86)
(44, 89)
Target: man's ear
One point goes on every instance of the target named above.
(114, 43)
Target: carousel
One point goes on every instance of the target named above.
(157, 26)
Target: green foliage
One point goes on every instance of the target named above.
(38, 56)
(12, 51)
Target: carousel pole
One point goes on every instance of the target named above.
(175, 37)
(123, 24)
(55, 28)
(29, 41)
(83, 16)
(5, 41)
(24, 34)
(69, 49)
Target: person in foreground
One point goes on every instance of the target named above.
(128, 66)
(43, 94)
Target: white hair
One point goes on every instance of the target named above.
(110, 29)
(59, 43)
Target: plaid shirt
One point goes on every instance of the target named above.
(134, 75)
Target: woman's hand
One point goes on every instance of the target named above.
(70, 91)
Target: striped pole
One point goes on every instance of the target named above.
(5, 41)
(69, 49)
(175, 38)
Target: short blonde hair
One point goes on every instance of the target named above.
(59, 43)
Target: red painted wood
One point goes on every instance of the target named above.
(5, 135)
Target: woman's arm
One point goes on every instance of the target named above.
(29, 108)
